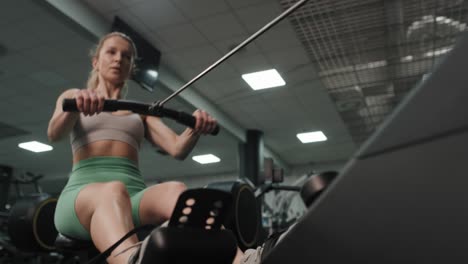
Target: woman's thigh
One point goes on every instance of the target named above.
(96, 194)
(76, 207)
(158, 202)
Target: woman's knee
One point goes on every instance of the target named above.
(175, 187)
(173, 190)
(159, 200)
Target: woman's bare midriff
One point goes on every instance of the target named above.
(106, 148)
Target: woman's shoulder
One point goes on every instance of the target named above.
(68, 93)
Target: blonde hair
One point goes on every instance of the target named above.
(93, 79)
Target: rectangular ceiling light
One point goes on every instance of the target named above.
(205, 159)
(263, 79)
(35, 146)
(310, 137)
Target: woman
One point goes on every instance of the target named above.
(105, 196)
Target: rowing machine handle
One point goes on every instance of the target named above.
(69, 105)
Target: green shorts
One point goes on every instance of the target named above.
(97, 169)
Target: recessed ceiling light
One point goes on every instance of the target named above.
(205, 159)
(153, 73)
(264, 79)
(35, 146)
(310, 137)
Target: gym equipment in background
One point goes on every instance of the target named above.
(244, 217)
(30, 221)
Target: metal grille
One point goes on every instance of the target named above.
(370, 53)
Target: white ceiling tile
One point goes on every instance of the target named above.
(79, 48)
(14, 38)
(220, 27)
(201, 8)
(222, 72)
(19, 86)
(202, 82)
(238, 112)
(249, 64)
(48, 78)
(200, 56)
(188, 73)
(317, 106)
(286, 107)
(158, 42)
(5, 109)
(288, 58)
(235, 95)
(51, 56)
(127, 17)
(172, 58)
(279, 37)
(13, 11)
(182, 36)
(42, 106)
(258, 111)
(130, 19)
(157, 14)
(254, 17)
(14, 65)
(51, 29)
(300, 74)
(143, 30)
(229, 90)
(74, 74)
(228, 44)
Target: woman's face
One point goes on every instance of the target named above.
(114, 60)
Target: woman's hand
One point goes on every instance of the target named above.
(205, 124)
(89, 102)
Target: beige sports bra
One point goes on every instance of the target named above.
(106, 126)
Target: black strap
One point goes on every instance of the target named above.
(104, 255)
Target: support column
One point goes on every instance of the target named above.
(251, 155)
(5, 178)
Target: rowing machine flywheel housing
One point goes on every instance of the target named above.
(31, 223)
(244, 216)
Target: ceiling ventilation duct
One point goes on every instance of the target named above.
(370, 53)
(433, 35)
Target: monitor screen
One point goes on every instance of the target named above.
(147, 62)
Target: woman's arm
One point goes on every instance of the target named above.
(178, 146)
(88, 102)
(62, 122)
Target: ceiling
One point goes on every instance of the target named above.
(346, 64)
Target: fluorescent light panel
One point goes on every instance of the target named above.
(35, 146)
(310, 137)
(205, 159)
(153, 73)
(264, 79)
